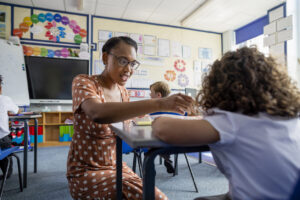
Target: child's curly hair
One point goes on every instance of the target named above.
(248, 82)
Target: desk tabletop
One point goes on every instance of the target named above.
(138, 136)
(20, 117)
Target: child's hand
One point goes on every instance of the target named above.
(176, 103)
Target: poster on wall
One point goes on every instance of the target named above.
(140, 50)
(205, 53)
(2, 24)
(98, 67)
(176, 49)
(186, 51)
(118, 34)
(137, 37)
(149, 50)
(163, 47)
(149, 40)
(104, 35)
(100, 45)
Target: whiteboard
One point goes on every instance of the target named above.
(13, 71)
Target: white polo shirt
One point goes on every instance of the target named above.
(6, 104)
(259, 155)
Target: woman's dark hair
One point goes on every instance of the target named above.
(1, 79)
(114, 41)
(248, 82)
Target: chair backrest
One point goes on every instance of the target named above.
(296, 191)
(126, 148)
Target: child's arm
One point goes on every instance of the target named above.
(111, 112)
(184, 132)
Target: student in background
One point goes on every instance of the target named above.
(6, 106)
(98, 101)
(161, 89)
(251, 125)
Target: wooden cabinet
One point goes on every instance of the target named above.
(51, 122)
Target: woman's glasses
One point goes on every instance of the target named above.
(124, 62)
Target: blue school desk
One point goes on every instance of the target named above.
(142, 137)
(25, 119)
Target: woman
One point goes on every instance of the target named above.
(99, 100)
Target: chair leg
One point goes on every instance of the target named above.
(19, 171)
(4, 177)
(200, 158)
(139, 157)
(192, 175)
(175, 164)
(134, 162)
(160, 159)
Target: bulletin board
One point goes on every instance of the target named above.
(5, 21)
(175, 55)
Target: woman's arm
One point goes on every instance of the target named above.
(184, 132)
(111, 112)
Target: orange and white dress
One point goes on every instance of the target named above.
(91, 165)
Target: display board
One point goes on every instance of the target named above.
(13, 71)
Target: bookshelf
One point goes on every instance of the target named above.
(50, 121)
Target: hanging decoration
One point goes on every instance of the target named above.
(179, 65)
(170, 75)
(54, 32)
(37, 51)
(183, 80)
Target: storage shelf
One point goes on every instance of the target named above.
(51, 122)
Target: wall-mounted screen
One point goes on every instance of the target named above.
(50, 79)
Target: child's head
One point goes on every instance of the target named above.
(159, 89)
(246, 81)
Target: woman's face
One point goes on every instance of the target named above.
(118, 62)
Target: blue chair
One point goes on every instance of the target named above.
(8, 153)
(126, 149)
(296, 191)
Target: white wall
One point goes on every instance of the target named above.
(293, 46)
(228, 41)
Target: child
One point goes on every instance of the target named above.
(98, 101)
(6, 106)
(161, 89)
(251, 125)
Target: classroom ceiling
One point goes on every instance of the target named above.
(210, 15)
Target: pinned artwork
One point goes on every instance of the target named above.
(36, 30)
(179, 65)
(37, 51)
(170, 75)
(54, 32)
(183, 80)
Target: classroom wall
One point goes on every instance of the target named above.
(153, 68)
(193, 39)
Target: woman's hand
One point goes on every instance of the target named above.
(176, 103)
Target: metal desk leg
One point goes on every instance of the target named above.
(25, 153)
(119, 169)
(149, 175)
(200, 158)
(35, 144)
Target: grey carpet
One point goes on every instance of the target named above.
(50, 181)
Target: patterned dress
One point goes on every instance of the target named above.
(91, 166)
